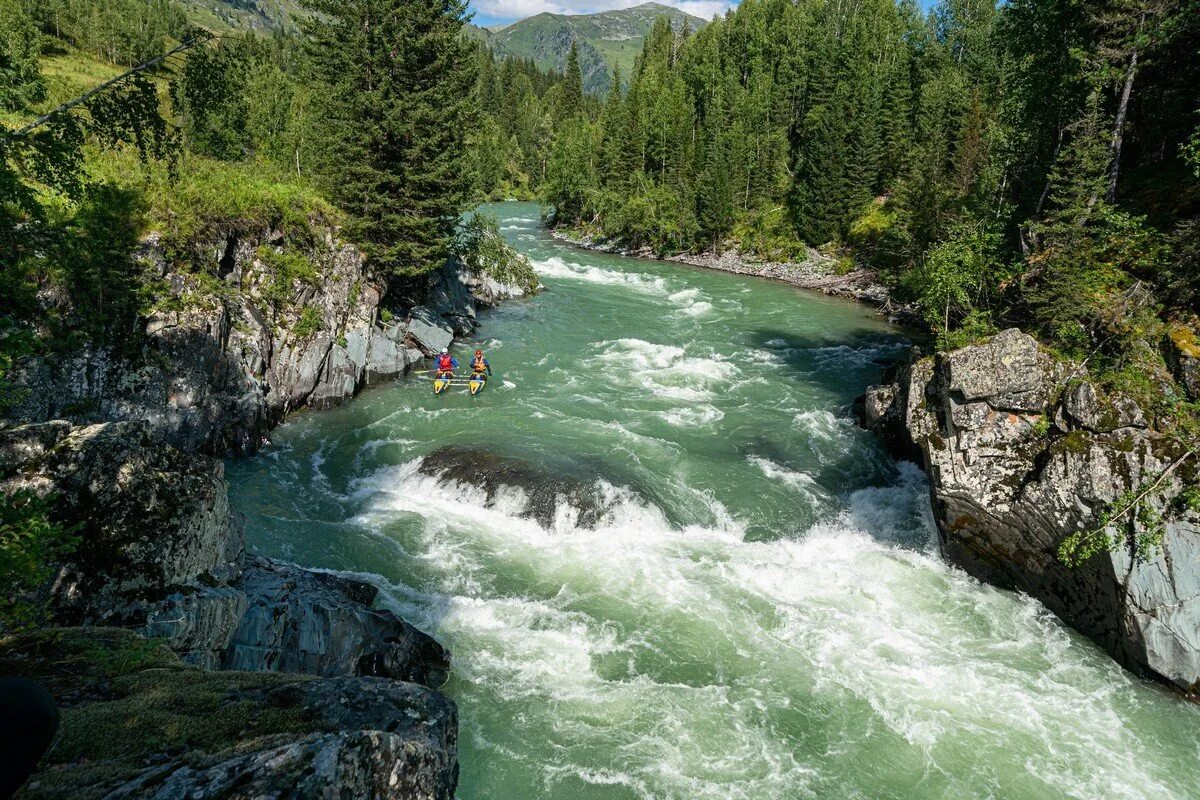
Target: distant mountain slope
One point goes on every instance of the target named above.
(606, 39)
(226, 15)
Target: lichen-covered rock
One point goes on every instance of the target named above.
(1022, 451)
(151, 518)
(1183, 352)
(317, 623)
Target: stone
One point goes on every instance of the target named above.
(151, 518)
(1007, 490)
(297, 620)
(215, 374)
(450, 296)
(427, 331)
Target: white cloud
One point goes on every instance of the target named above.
(519, 9)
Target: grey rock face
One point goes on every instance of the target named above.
(151, 518)
(316, 623)
(162, 553)
(450, 297)
(428, 332)
(1023, 451)
(371, 739)
(216, 373)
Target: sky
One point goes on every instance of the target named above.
(502, 12)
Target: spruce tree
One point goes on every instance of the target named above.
(395, 81)
(572, 99)
(20, 77)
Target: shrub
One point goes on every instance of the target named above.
(31, 545)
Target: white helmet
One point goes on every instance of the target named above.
(445, 351)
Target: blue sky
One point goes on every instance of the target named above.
(498, 12)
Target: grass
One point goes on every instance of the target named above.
(206, 197)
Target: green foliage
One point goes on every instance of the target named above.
(484, 250)
(286, 270)
(393, 81)
(1136, 512)
(125, 32)
(21, 82)
(31, 547)
(308, 324)
(954, 278)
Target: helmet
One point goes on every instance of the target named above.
(445, 351)
(478, 352)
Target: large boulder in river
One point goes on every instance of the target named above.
(544, 492)
(1023, 450)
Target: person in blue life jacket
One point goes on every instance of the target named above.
(444, 365)
(480, 365)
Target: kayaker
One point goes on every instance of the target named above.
(445, 364)
(480, 365)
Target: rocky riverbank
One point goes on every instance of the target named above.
(161, 594)
(816, 273)
(1023, 450)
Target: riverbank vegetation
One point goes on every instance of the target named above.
(1032, 163)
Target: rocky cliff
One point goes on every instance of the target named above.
(330, 695)
(1022, 451)
(242, 330)
(161, 556)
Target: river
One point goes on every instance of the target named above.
(760, 610)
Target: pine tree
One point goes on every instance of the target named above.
(395, 82)
(20, 77)
(572, 98)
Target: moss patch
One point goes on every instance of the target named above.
(127, 701)
(1185, 342)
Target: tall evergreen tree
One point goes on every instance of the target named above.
(395, 83)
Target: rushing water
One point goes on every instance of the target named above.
(761, 611)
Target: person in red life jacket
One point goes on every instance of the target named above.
(480, 365)
(445, 364)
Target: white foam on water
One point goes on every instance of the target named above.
(664, 370)
(693, 416)
(555, 267)
(509, 385)
(887, 652)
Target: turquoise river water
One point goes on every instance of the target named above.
(760, 610)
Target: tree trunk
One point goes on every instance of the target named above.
(1118, 137)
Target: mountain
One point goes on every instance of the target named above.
(222, 16)
(605, 40)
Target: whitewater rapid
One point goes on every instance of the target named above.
(757, 609)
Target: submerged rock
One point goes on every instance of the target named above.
(545, 492)
(1022, 451)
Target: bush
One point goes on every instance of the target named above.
(484, 250)
(31, 545)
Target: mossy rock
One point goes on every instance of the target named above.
(127, 702)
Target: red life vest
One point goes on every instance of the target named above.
(445, 362)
